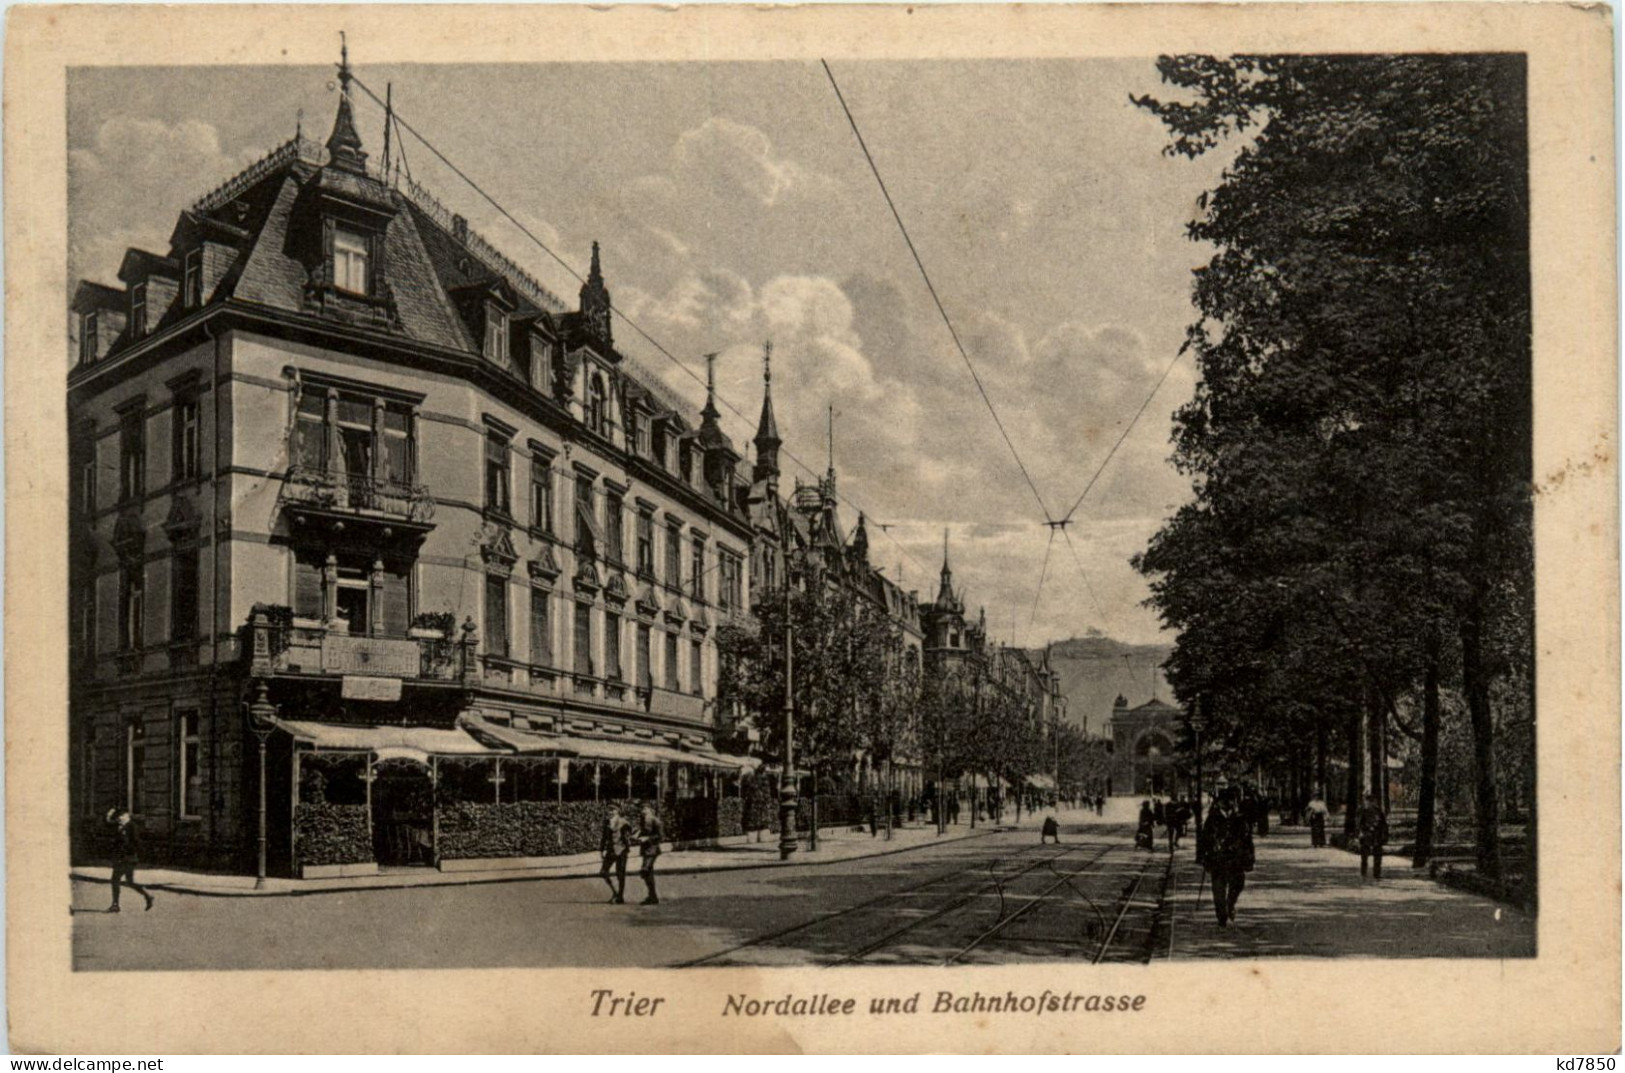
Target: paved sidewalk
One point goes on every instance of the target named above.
(1309, 903)
(834, 844)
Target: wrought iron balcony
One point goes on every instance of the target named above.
(279, 647)
(327, 490)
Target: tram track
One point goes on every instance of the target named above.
(773, 937)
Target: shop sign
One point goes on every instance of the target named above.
(358, 687)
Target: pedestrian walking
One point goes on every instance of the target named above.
(1226, 846)
(650, 835)
(126, 854)
(953, 809)
(1317, 812)
(615, 844)
(1372, 826)
(1051, 830)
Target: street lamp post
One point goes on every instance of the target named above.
(261, 720)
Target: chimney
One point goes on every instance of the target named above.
(459, 228)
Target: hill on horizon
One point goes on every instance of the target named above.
(1094, 670)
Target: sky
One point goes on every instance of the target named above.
(734, 206)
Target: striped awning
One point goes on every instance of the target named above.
(386, 742)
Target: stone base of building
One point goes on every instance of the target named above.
(337, 871)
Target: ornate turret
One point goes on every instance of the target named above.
(860, 542)
(767, 429)
(344, 144)
(945, 592)
(595, 304)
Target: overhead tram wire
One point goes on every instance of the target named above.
(402, 124)
(920, 264)
(1137, 414)
(1087, 584)
(1043, 572)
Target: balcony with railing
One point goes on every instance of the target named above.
(330, 491)
(282, 646)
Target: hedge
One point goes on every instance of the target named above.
(333, 834)
(761, 804)
(519, 828)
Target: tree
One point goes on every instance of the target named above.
(1360, 436)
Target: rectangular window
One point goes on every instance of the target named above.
(308, 584)
(541, 365)
(399, 456)
(496, 473)
(183, 589)
(88, 343)
(696, 572)
(541, 493)
(646, 673)
(541, 629)
(674, 554)
(584, 524)
(496, 615)
(185, 447)
(350, 261)
(131, 604)
(696, 662)
(87, 620)
(192, 283)
(646, 544)
(657, 444)
(614, 527)
(310, 431)
(583, 639)
(189, 762)
(132, 451)
(671, 661)
(728, 590)
(135, 768)
(496, 334)
(612, 646)
(138, 310)
(87, 484)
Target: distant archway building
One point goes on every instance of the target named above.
(1145, 747)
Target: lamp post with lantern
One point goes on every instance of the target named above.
(262, 721)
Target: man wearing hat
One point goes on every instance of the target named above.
(1227, 852)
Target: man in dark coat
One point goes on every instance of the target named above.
(1227, 853)
(1372, 825)
(650, 835)
(615, 844)
(126, 854)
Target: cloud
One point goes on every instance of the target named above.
(724, 155)
(122, 189)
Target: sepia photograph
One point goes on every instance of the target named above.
(780, 511)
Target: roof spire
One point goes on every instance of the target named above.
(344, 144)
(595, 302)
(710, 414)
(767, 427)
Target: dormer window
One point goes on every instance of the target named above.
(496, 334)
(640, 436)
(657, 444)
(541, 365)
(87, 337)
(138, 310)
(351, 261)
(192, 283)
(596, 412)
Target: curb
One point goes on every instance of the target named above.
(174, 888)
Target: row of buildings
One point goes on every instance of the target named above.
(366, 520)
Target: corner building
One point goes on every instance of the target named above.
(367, 518)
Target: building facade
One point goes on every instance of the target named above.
(366, 516)
(1145, 748)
